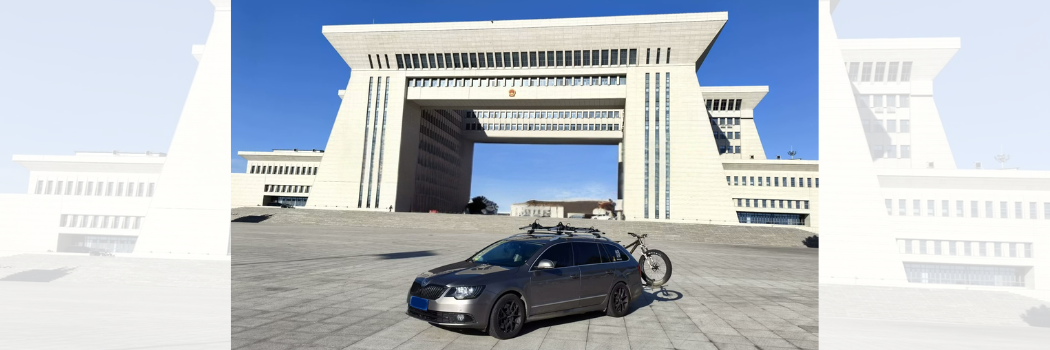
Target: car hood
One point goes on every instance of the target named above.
(463, 273)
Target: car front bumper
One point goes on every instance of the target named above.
(444, 311)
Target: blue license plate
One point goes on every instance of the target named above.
(418, 303)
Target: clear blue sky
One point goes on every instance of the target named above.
(286, 74)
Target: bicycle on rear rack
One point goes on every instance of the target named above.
(656, 266)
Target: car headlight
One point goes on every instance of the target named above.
(461, 293)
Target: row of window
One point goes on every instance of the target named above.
(724, 105)
(94, 188)
(580, 253)
(965, 248)
(519, 81)
(779, 204)
(543, 114)
(890, 151)
(100, 221)
(770, 218)
(541, 127)
(567, 58)
(283, 170)
(286, 188)
(888, 125)
(1005, 276)
(945, 208)
(890, 102)
(878, 71)
(725, 121)
(728, 149)
(730, 135)
(776, 181)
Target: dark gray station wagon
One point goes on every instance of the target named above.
(528, 277)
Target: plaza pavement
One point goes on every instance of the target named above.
(344, 287)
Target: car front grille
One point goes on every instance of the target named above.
(430, 291)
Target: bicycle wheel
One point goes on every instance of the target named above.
(656, 268)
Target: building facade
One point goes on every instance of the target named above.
(170, 204)
(276, 178)
(928, 221)
(423, 94)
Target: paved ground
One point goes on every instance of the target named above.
(54, 301)
(332, 287)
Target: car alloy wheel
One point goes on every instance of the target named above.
(507, 317)
(619, 301)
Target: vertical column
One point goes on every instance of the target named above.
(667, 139)
(364, 143)
(656, 144)
(382, 140)
(646, 215)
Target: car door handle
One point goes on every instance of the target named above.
(574, 276)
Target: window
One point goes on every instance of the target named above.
(1032, 211)
(902, 207)
(752, 181)
(892, 72)
(586, 253)
(532, 59)
(668, 57)
(658, 56)
(891, 125)
(880, 70)
(577, 58)
(854, 69)
(647, 52)
(865, 74)
(605, 57)
(889, 207)
(1018, 212)
(988, 209)
(905, 151)
(490, 59)
(613, 254)
(809, 182)
(905, 126)
(736, 181)
(1003, 211)
(560, 254)
(633, 56)
(973, 209)
(906, 72)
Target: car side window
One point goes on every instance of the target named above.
(586, 253)
(560, 254)
(615, 253)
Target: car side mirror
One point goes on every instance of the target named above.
(544, 264)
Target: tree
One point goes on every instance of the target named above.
(481, 205)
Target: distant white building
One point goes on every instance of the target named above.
(275, 178)
(899, 211)
(90, 200)
(147, 204)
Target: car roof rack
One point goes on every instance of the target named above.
(560, 229)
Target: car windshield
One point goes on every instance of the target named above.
(507, 253)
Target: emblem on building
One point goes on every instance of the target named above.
(512, 92)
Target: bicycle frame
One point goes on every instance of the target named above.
(634, 245)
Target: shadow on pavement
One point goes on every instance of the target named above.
(39, 275)
(647, 298)
(252, 218)
(405, 255)
(1037, 316)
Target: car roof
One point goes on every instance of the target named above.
(558, 237)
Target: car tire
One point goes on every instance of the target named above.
(507, 317)
(619, 301)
